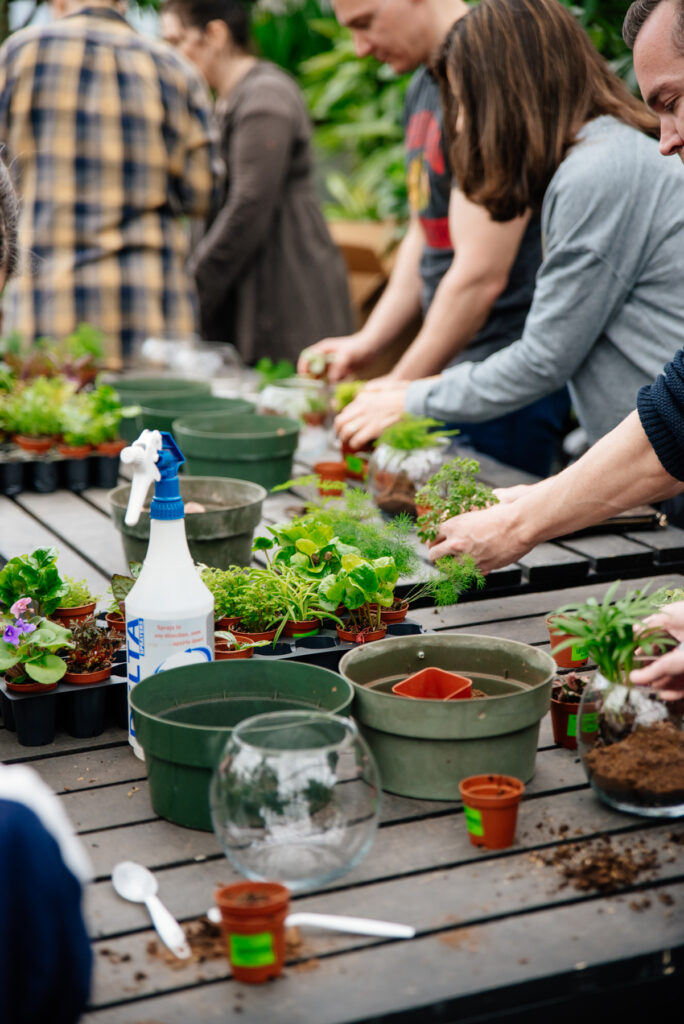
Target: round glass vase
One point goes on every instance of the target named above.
(394, 475)
(295, 798)
(631, 742)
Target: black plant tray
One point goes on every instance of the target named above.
(22, 471)
(80, 711)
(325, 648)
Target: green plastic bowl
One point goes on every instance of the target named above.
(159, 412)
(183, 719)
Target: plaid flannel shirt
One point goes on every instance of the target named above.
(110, 142)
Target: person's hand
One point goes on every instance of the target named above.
(350, 354)
(667, 671)
(508, 494)
(489, 535)
(372, 410)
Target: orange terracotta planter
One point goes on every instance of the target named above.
(71, 451)
(570, 657)
(79, 613)
(390, 615)
(491, 803)
(111, 447)
(36, 445)
(32, 687)
(227, 653)
(244, 634)
(363, 636)
(84, 678)
(434, 684)
(333, 472)
(116, 622)
(304, 627)
(227, 622)
(253, 925)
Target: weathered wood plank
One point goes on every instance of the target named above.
(74, 771)
(82, 526)
(667, 544)
(11, 752)
(612, 553)
(549, 563)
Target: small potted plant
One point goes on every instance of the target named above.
(566, 694)
(92, 653)
(262, 606)
(34, 576)
(363, 587)
(32, 668)
(33, 413)
(453, 489)
(77, 604)
(229, 645)
(120, 587)
(226, 587)
(629, 737)
(406, 455)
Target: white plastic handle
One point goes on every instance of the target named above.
(339, 923)
(168, 929)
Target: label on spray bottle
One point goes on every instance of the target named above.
(154, 645)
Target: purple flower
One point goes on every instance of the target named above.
(24, 627)
(12, 636)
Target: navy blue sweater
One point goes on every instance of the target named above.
(661, 410)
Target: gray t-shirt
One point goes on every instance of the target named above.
(608, 307)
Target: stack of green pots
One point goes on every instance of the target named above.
(142, 390)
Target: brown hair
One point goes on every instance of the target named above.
(524, 78)
(640, 11)
(9, 218)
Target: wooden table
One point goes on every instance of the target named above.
(495, 930)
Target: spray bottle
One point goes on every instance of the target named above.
(169, 611)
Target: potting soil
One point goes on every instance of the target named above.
(647, 767)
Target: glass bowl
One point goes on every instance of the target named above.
(295, 798)
(631, 743)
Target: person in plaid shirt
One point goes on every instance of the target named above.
(109, 139)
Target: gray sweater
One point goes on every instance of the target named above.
(608, 306)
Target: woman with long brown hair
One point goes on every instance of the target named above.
(539, 121)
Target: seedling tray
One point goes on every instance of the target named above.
(22, 471)
(325, 648)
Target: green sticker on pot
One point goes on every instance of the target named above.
(252, 950)
(578, 652)
(473, 821)
(572, 725)
(589, 721)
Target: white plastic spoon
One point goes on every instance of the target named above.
(134, 882)
(339, 923)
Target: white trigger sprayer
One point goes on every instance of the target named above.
(169, 611)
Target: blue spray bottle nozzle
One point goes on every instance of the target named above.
(155, 457)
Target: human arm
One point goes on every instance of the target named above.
(396, 307)
(667, 671)
(620, 471)
(484, 253)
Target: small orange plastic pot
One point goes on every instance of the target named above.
(330, 473)
(226, 622)
(434, 684)
(491, 803)
(393, 614)
(79, 613)
(301, 627)
(569, 657)
(253, 925)
(564, 716)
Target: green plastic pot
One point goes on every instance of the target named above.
(250, 447)
(221, 536)
(183, 719)
(423, 748)
(159, 411)
(140, 390)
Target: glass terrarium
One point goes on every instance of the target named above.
(631, 741)
(408, 453)
(295, 798)
(297, 397)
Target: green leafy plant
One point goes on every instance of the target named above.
(452, 577)
(413, 432)
(238, 643)
(363, 586)
(76, 424)
(78, 594)
(30, 642)
(92, 647)
(33, 576)
(269, 372)
(121, 585)
(262, 606)
(227, 587)
(35, 408)
(453, 489)
(606, 630)
(106, 413)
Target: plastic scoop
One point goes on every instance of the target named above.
(134, 882)
(339, 923)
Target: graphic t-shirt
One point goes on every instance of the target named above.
(429, 182)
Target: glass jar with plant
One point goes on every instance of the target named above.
(36, 577)
(297, 397)
(77, 604)
(630, 737)
(406, 455)
(28, 649)
(92, 653)
(453, 489)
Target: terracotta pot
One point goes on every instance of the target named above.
(564, 723)
(434, 684)
(422, 510)
(253, 925)
(112, 447)
(347, 449)
(79, 613)
(37, 445)
(226, 622)
(491, 803)
(571, 657)
(334, 471)
(269, 634)
(304, 627)
(226, 653)
(79, 451)
(364, 636)
(116, 622)
(314, 419)
(31, 687)
(84, 678)
(395, 614)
